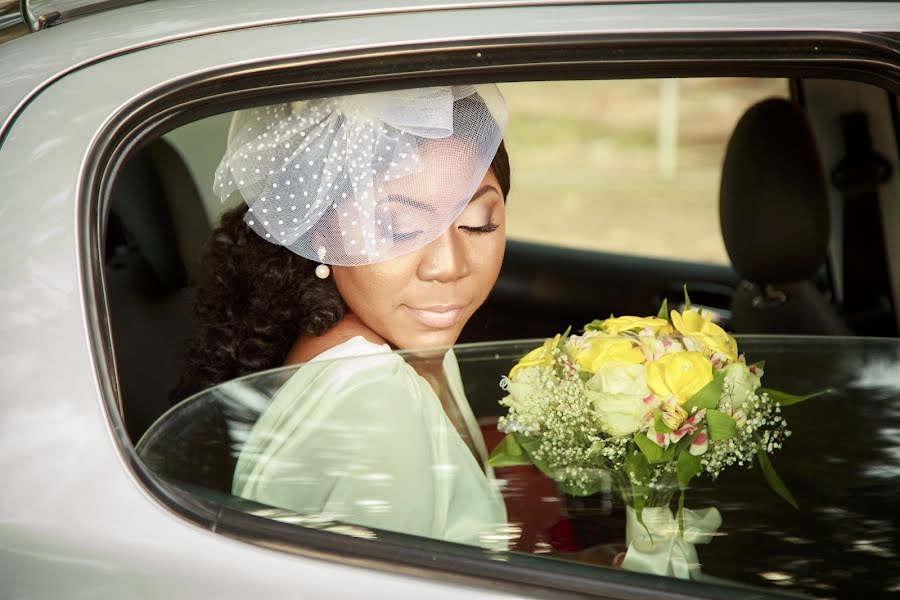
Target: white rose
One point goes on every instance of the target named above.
(617, 392)
(743, 383)
(522, 388)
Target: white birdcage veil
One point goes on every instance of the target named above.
(353, 180)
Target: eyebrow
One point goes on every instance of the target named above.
(422, 206)
(409, 202)
(482, 191)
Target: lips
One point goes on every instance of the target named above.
(437, 317)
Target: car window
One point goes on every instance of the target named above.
(614, 209)
(625, 156)
(263, 445)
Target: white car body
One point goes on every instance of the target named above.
(76, 519)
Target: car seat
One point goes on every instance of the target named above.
(155, 231)
(774, 215)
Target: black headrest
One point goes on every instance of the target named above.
(156, 212)
(773, 199)
(138, 205)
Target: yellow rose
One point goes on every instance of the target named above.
(620, 324)
(680, 374)
(591, 353)
(542, 356)
(705, 333)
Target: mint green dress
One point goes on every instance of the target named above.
(357, 436)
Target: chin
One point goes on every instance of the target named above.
(428, 339)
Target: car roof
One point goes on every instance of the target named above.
(33, 62)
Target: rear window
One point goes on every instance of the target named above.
(619, 204)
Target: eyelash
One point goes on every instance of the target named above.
(401, 237)
(483, 229)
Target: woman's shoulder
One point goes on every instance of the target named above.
(356, 346)
(353, 369)
(347, 336)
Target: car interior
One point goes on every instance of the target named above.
(801, 205)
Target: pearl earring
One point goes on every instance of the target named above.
(322, 271)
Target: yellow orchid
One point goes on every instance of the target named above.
(680, 374)
(705, 333)
(593, 352)
(542, 356)
(628, 323)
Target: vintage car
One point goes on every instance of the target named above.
(113, 115)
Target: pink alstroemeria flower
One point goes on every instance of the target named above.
(659, 438)
(700, 444)
(688, 426)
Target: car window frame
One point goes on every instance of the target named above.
(854, 56)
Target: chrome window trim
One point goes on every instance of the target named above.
(845, 55)
(12, 23)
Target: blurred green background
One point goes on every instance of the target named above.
(625, 166)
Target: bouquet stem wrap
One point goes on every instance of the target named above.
(659, 548)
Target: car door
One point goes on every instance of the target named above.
(84, 512)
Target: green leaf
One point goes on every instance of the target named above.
(652, 452)
(669, 453)
(594, 325)
(639, 513)
(687, 299)
(508, 453)
(658, 423)
(687, 467)
(564, 337)
(773, 479)
(708, 396)
(785, 399)
(529, 446)
(663, 310)
(721, 426)
(636, 464)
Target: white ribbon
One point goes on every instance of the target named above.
(660, 549)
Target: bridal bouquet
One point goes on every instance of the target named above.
(644, 404)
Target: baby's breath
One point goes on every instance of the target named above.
(760, 426)
(559, 413)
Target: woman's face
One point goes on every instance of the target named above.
(425, 297)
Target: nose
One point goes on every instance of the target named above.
(444, 259)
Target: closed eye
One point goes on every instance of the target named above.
(482, 229)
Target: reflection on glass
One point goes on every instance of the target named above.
(277, 444)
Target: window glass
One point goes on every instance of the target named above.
(284, 445)
(625, 166)
(367, 441)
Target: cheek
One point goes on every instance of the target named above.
(487, 258)
(370, 291)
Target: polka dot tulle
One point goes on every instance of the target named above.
(363, 178)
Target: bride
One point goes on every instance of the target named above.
(369, 223)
